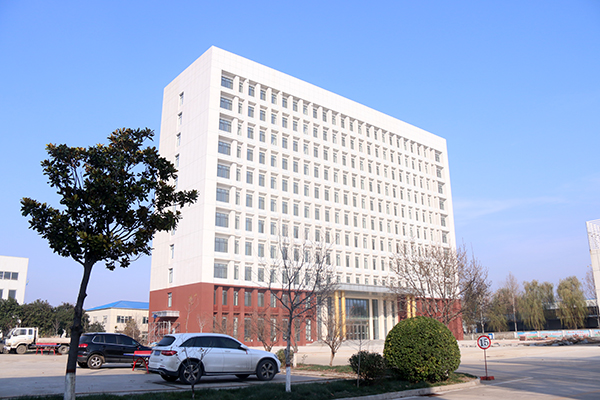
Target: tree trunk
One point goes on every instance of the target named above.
(288, 369)
(76, 331)
(331, 358)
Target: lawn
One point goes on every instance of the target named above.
(336, 389)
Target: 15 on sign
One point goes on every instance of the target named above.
(484, 342)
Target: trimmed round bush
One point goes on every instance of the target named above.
(421, 349)
(369, 366)
(281, 356)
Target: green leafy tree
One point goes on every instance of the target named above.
(498, 311)
(113, 199)
(132, 330)
(63, 319)
(502, 313)
(534, 303)
(95, 327)
(10, 312)
(572, 308)
(39, 314)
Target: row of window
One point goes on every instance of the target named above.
(224, 148)
(13, 276)
(327, 116)
(375, 187)
(288, 206)
(379, 154)
(222, 220)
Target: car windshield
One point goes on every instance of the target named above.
(166, 341)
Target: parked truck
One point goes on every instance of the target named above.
(20, 340)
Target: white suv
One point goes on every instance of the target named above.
(188, 356)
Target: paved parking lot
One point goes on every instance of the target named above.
(521, 373)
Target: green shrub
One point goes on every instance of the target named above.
(421, 349)
(281, 355)
(372, 365)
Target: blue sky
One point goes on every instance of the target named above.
(512, 86)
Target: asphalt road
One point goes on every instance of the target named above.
(565, 372)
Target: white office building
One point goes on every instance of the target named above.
(271, 154)
(13, 278)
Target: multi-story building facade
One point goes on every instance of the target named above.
(13, 278)
(272, 155)
(114, 316)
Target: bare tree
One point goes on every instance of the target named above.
(204, 320)
(189, 307)
(334, 329)
(437, 277)
(265, 328)
(476, 299)
(513, 290)
(589, 288)
(299, 279)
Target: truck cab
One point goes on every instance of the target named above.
(19, 339)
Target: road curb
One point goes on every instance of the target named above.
(417, 392)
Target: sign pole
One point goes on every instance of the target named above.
(484, 342)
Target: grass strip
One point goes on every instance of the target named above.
(337, 389)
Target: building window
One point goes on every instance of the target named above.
(226, 103)
(251, 111)
(227, 82)
(222, 220)
(221, 245)
(248, 248)
(224, 148)
(223, 195)
(261, 299)
(223, 171)
(172, 250)
(224, 125)
(248, 299)
(220, 271)
(170, 275)
(169, 299)
(248, 273)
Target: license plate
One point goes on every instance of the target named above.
(157, 352)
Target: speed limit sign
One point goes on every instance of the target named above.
(484, 342)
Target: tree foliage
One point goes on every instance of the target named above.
(572, 308)
(9, 315)
(439, 277)
(113, 199)
(534, 303)
(132, 330)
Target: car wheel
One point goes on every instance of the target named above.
(266, 370)
(63, 349)
(169, 378)
(21, 349)
(95, 361)
(82, 364)
(242, 376)
(190, 373)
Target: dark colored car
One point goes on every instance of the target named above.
(98, 348)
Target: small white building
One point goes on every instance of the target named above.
(13, 278)
(114, 316)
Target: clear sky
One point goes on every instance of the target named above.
(513, 86)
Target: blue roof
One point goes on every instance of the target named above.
(136, 305)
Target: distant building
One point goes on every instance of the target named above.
(114, 316)
(593, 231)
(272, 155)
(13, 278)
